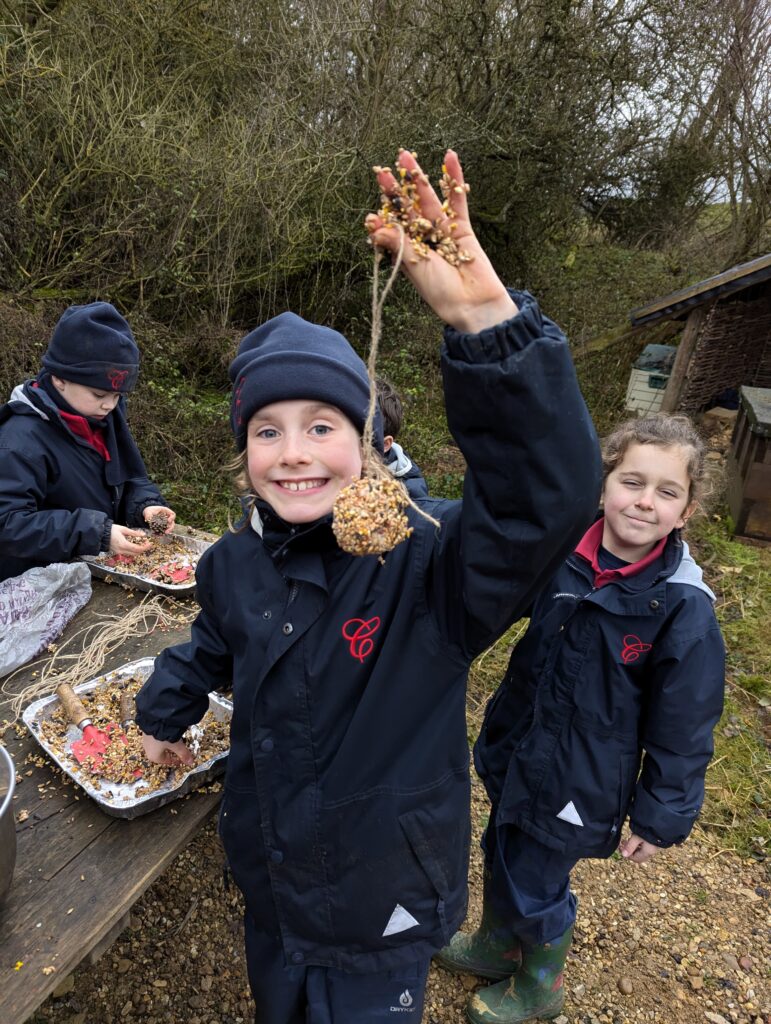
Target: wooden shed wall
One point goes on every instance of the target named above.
(733, 348)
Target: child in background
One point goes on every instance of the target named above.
(394, 456)
(622, 664)
(70, 471)
(345, 817)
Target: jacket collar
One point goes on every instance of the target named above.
(298, 551)
(648, 592)
(277, 534)
(690, 574)
(589, 548)
(20, 394)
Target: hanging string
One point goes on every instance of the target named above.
(377, 329)
(83, 655)
(371, 466)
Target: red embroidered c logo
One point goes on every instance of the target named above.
(117, 378)
(358, 633)
(633, 648)
(239, 389)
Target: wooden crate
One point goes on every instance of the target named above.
(749, 465)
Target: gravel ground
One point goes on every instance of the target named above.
(687, 939)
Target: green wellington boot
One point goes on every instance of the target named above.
(535, 991)
(492, 951)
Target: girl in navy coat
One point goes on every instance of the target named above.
(607, 710)
(71, 475)
(345, 817)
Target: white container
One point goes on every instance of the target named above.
(648, 379)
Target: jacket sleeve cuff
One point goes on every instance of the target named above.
(137, 510)
(649, 836)
(157, 728)
(494, 344)
(104, 543)
(657, 823)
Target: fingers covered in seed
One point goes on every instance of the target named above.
(409, 204)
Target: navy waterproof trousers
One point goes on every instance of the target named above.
(529, 884)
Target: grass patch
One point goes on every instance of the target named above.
(185, 439)
(738, 798)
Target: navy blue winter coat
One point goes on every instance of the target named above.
(601, 676)
(346, 810)
(55, 502)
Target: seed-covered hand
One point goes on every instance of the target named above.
(124, 541)
(457, 281)
(161, 752)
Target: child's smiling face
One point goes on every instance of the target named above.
(300, 454)
(644, 498)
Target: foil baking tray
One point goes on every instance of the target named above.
(126, 800)
(193, 545)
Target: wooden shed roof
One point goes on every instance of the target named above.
(674, 306)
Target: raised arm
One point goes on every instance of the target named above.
(516, 412)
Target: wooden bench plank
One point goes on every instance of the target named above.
(65, 916)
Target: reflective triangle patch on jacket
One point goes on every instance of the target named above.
(569, 813)
(399, 921)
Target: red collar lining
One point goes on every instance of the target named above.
(80, 427)
(589, 547)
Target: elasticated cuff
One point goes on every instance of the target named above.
(137, 510)
(104, 544)
(158, 729)
(651, 837)
(665, 826)
(496, 343)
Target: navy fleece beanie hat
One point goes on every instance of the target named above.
(289, 358)
(93, 345)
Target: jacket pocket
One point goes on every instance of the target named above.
(508, 718)
(582, 791)
(629, 767)
(241, 836)
(433, 860)
(400, 865)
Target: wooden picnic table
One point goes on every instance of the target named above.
(78, 870)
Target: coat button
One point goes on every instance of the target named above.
(287, 628)
(654, 604)
(276, 856)
(266, 615)
(296, 958)
(266, 745)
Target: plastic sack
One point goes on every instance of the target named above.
(36, 606)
